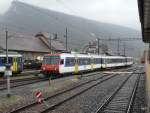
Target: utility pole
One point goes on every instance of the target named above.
(50, 43)
(6, 46)
(118, 49)
(66, 39)
(98, 46)
(124, 50)
(7, 70)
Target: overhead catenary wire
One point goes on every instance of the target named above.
(66, 6)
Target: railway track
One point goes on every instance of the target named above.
(27, 81)
(55, 106)
(35, 104)
(24, 73)
(140, 104)
(121, 100)
(83, 87)
(17, 80)
(21, 82)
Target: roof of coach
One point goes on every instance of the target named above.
(114, 57)
(86, 55)
(53, 54)
(129, 57)
(74, 54)
(10, 55)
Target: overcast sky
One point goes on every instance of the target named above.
(121, 12)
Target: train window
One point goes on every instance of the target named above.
(62, 61)
(70, 61)
(98, 60)
(92, 61)
(80, 61)
(3, 60)
(102, 61)
(51, 60)
(19, 60)
(10, 60)
(84, 61)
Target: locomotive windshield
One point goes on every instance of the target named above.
(51, 60)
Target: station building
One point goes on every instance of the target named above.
(31, 47)
(144, 14)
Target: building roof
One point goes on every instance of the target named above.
(20, 42)
(50, 40)
(144, 13)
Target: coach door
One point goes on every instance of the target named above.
(92, 63)
(104, 63)
(76, 67)
(14, 64)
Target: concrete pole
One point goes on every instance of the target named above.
(66, 39)
(98, 46)
(118, 49)
(8, 78)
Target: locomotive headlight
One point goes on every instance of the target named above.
(43, 68)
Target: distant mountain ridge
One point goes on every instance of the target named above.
(22, 17)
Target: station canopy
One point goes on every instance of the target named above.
(144, 13)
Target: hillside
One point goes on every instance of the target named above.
(26, 18)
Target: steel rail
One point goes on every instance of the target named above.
(55, 95)
(133, 95)
(102, 107)
(23, 82)
(59, 93)
(73, 96)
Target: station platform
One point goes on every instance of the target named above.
(147, 71)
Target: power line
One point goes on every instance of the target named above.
(66, 6)
(118, 42)
(120, 39)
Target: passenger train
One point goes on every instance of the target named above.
(62, 63)
(14, 59)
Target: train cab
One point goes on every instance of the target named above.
(14, 59)
(50, 64)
